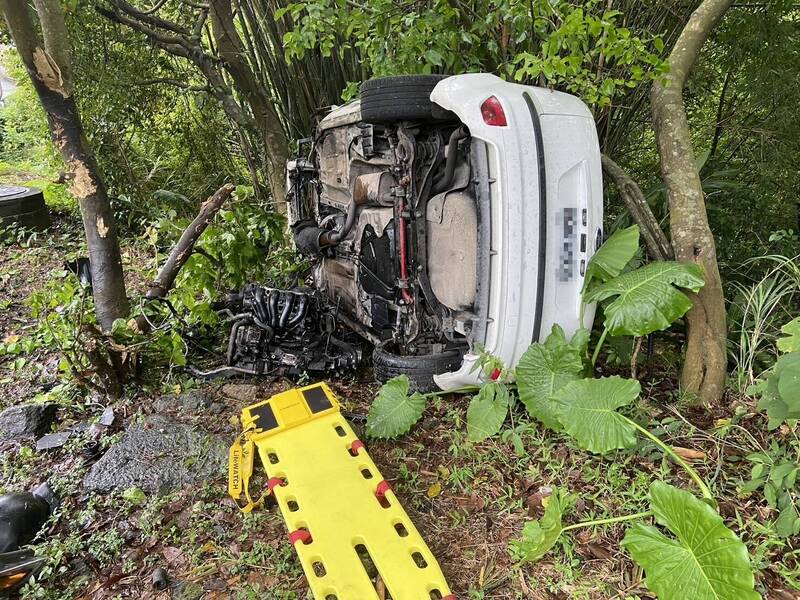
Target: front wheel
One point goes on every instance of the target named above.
(419, 369)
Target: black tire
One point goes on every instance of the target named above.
(401, 98)
(419, 369)
(24, 206)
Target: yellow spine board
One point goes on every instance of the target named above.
(336, 504)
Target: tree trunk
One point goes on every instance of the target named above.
(705, 363)
(232, 52)
(50, 71)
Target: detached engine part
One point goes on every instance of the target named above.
(285, 331)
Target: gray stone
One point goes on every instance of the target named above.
(193, 401)
(51, 441)
(158, 456)
(244, 392)
(107, 418)
(26, 420)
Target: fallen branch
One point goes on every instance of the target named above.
(182, 251)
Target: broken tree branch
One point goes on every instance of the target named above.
(183, 249)
(657, 244)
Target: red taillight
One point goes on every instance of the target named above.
(492, 112)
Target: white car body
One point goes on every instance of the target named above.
(546, 213)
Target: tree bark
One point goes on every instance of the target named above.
(705, 363)
(50, 73)
(631, 194)
(270, 129)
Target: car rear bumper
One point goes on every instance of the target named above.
(545, 208)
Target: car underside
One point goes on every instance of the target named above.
(443, 215)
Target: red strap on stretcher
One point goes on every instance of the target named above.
(382, 488)
(274, 482)
(356, 446)
(300, 535)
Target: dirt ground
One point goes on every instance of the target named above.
(467, 500)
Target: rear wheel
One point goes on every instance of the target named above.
(401, 98)
(419, 369)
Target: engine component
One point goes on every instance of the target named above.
(285, 331)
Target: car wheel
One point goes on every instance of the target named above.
(401, 98)
(419, 369)
(24, 206)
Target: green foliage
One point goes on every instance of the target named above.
(487, 411)
(558, 42)
(613, 256)
(587, 409)
(779, 387)
(539, 536)
(571, 51)
(647, 299)
(394, 411)
(148, 135)
(25, 137)
(547, 367)
(707, 561)
(790, 343)
(243, 244)
(775, 470)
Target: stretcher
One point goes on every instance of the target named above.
(345, 523)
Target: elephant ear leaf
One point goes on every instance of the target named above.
(704, 561)
(647, 299)
(394, 412)
(587, 410)
(487, 411)
(538, 537)
(790, 343)
(613, 255)
(543, 370)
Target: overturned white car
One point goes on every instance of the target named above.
(446, 214)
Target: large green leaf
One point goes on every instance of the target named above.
(546, 368)
(706, 561)
(787, 368)
(647, 299)
(780, 390)
(790, 343)
(538, 537)
(613, 255)
(487, 411)
(587, 410)
(394, 412)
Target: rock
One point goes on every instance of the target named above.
(193, 401)
(107, 418)
(26, 420)
(216, 408)
(244, 392)
(159, 455)
(52, 441)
